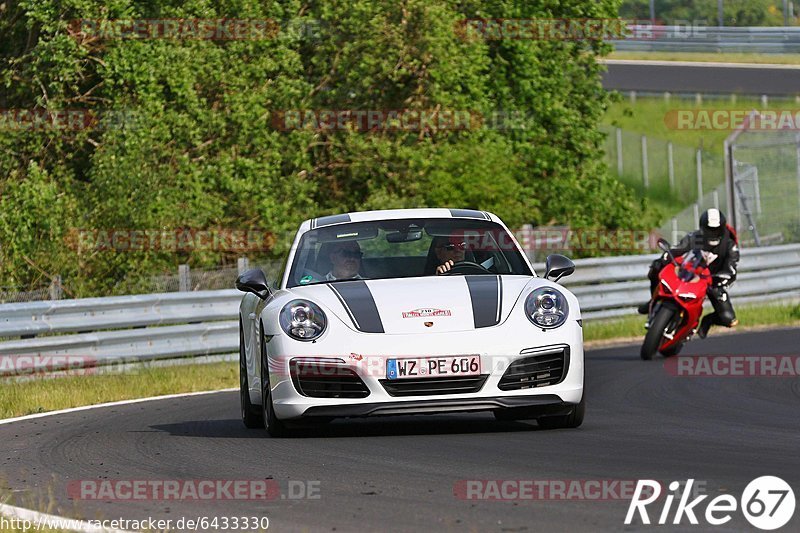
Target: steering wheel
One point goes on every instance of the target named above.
(466, 267)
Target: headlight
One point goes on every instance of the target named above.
(303, 320)
(546, 308)
(666, 286)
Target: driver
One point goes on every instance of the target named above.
(448, 252)
(345, 261)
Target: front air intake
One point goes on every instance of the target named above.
(326, 380)
(541, 367)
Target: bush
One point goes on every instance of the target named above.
(198, 147)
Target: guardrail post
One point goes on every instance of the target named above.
(699, 159)
(645, 175)
(696, 213)
(715, 198)
(619, 152)
(698, 98)
(675, 237)
(764, 100)
(797, 155)
(183, 278)
(55, 288)
(243, 265)
(632, 96)
(670, 167)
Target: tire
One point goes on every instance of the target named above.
(251, 414)
(274, 426)
(572, 420)
(655, 333)
(674, 350)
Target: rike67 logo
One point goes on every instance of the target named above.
(767, 502)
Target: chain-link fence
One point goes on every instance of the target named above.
(662, 168)
(765, 174)
(688, 219)
(12, 295)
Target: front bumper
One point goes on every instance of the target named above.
(498, 348)
(532, 406)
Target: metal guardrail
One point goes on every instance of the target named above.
(697, 38)
(613, 286)
(124, 329)
(62, 316)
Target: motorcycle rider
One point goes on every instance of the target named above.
(719, 239)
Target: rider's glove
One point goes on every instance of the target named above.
(721, 280)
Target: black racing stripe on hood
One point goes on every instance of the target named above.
(486, 294)
(359, 304)
(468, 213)
(331, 219)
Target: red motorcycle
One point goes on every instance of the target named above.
(678, 303)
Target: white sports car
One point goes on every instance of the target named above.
(409, 311)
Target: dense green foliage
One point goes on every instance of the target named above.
(198, 148)
(734, 12)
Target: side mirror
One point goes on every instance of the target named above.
(558, 266)
(253, 281)
(663, 244)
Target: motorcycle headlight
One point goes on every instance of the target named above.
(546, 308)
(303, 320)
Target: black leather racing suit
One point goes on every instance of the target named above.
(723, 266)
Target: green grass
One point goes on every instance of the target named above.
(723, 57)
(40, 395)
(646, 116)
(749, 317)
(652, 117)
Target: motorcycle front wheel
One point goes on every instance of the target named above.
(655, 334)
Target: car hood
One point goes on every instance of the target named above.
(415, 305)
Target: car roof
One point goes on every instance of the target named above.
(392, 214)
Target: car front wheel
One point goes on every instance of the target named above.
(251, 414)
(275, 427)
(572, 420)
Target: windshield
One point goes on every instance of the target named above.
(692, 262)
(404, 248)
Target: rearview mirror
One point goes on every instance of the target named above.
(253, 281)
(558, 266)
(404, 236)
(663, 244)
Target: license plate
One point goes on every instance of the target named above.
(431, 367)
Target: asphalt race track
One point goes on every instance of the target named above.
(399, 473)
(684, 76)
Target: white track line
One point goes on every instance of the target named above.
(659, 63)
(111, 404)
(73, 524)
